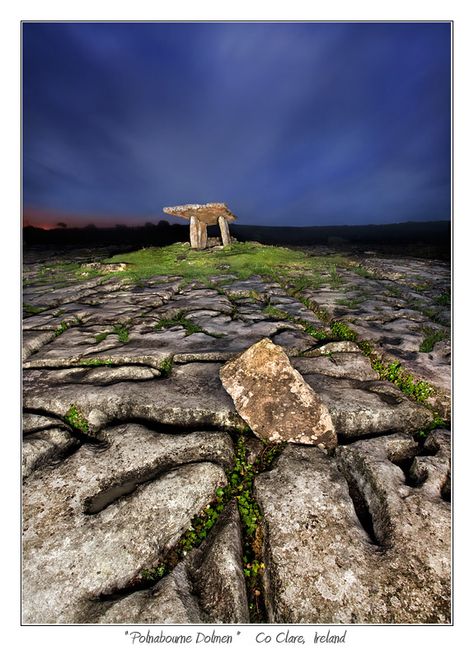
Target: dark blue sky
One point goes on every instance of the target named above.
(288, 123)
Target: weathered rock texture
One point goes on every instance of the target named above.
(274, 399)
(325, 567)
(208, 586)
(85, 538)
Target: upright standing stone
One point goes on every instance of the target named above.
(202, 235)
(225, 233)
(194, 232)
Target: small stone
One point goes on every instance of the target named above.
(275, 401)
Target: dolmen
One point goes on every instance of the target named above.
(200, 217)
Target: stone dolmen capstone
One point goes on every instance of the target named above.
(275, 401)
(200, 217)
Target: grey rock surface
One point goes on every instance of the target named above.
(208, 586)
(358, 535)
(44, 447)
(95, 521)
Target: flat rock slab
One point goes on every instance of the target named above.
(325, 567)
(362, 407)
(95, 521)
(192, 396)
(272, 397)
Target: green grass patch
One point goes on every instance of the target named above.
(342, 332)
(350, 303)
(335, 278)
(432, 336)
(363, 272)
(101, 337)
(76, 419)
(179, 319)
(443, 300)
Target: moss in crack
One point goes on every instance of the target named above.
(76, 419)
(95, 362)
(32, 310)
(419, 390)
(189, 326)
(101, 336)
(437, 423)
(239, 488)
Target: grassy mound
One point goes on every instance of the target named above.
(242, 260)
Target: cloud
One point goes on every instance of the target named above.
(307, 123)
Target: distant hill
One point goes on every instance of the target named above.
(416, 239)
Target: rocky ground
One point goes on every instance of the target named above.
(148, 499)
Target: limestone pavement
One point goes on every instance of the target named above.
(129, 432)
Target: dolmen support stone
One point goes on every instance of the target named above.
(273, 398)
(201, 216)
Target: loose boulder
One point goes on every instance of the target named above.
(273, 398)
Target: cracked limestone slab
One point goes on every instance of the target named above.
(272, 397)
(365, 407)
(192, 396)
(208, 586)
(323, 566)
(351, 365)
(44, 447)
(83, 537)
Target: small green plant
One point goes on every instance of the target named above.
(101, 337)
(178, 319)
(363, 272)
(437, 422)
(274, 312)
(432, 336)
(419, 390)
(121, 331)
(335, 278)
(151, 575)
(61, 328)
(76, 419)
(188, 325)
